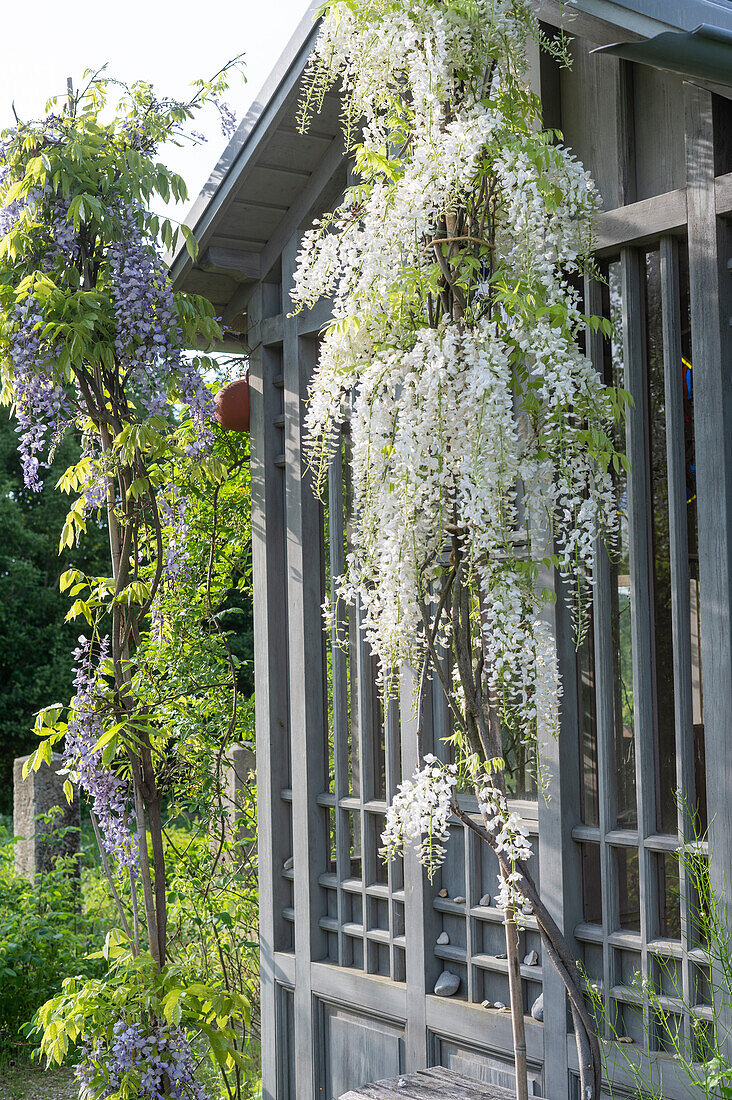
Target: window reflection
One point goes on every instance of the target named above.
(663, 639)
(622, 641)
(626, 860)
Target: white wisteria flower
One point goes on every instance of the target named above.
(419, 815)
(477, 425)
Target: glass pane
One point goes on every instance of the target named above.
(663, 637)
(627, 816)
(589, 806)
(520, 765)
(669, 896)
(626, 862)
(697, 693)
(591, 884)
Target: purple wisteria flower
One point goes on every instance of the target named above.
(227, 116)
(173, 507)
(41, 405)
(110, 795)
(148, 341)
(156, 1053)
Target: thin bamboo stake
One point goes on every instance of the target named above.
(517, 1006)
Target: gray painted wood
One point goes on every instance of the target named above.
(339, 639)
(709, 251)
(308, 713)
(270, 677)
(640, 222)
(437, 1082)
(604, 691)
(436, 1029)
(679, 562)
(658, 118)
(559, 857)
(641, 601)
(416, 897)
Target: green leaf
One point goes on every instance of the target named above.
(191, 242)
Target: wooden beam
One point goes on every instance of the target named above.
(640, 222)
(645, 221)
(428, 1084)
(235, 262)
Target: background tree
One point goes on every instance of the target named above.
(36, 666)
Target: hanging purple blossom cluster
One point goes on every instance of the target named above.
(227, 116)
(147, 339)
(40, 404)
(109, 794)
(157, 1053)
(173, 506)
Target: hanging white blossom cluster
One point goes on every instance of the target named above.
(474, 415)
(419, 814)
(510, 838)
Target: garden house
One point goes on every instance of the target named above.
(351, 949)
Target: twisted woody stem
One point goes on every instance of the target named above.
(558, 950)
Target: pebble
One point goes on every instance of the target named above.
(443, 938)
(532, 959)
(485, 900)
(447, 984)
(442, 893)
(459, 900)
(288, 864)
(624, 1039)
(487, 1004)
(502, 955)
(498, 1004)
(537, 1008)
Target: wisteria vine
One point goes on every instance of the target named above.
(481, 437)
(93, 341)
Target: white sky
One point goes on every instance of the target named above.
(168, 42)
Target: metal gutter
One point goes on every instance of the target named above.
(704, 53)
(647, 18)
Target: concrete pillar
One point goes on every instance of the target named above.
(38, 845)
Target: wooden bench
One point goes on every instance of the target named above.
(428, 1083)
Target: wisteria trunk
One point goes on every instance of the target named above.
(517, 1006)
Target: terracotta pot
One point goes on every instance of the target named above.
(232, 405)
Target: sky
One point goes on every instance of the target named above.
(168, 43)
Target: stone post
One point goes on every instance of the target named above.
(239, 775)
(40, 792)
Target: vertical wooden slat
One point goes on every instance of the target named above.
(709, 281)
(307, 688)
(679, 561)
(626, 133)
(604, 693)
(367, 715)
(270, 677)
(641, 605)
(416, 898)
(558, 854)
(339, 673)
(394, 872)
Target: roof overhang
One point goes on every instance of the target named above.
(254, 197)
(273, 178)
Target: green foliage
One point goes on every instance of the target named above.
(35, 644)
(46, 932)
(174, 595)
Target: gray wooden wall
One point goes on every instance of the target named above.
(349, 951)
